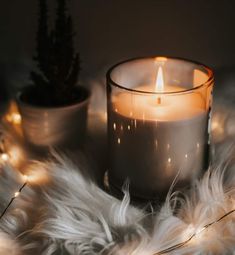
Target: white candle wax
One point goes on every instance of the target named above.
(158, 107)
(153, 140)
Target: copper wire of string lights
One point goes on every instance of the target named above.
(165, 251)
(12, 199)
(181, 244)
(4, 157)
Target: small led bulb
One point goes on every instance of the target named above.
(16, 118)
(17, 194)
(4, 157)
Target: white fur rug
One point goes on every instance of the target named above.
(69, 214)
(61, 211)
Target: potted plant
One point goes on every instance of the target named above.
(54, 108)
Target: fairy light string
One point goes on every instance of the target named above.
(12, 199)
(4, 157)
(164, 251)
(181, 244)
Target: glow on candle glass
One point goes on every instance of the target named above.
(159, 107)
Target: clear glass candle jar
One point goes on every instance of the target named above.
(158, 124)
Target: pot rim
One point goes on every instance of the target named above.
(51, 108)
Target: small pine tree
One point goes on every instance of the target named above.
(58, 65)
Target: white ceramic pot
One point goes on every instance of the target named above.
(54, 126)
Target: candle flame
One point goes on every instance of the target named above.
(159, 81)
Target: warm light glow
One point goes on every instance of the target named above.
(192, 231)
(13, 116)
(129, 127)
(16, 156)
(105, 116)
(17, 194)
(4, 157)
(114, 126)
(16, 118)
(217, 126)
(199, 231)
(159, 81)
(25, 178)
(169, 160)
(36, 175)
(119, 140)
(187, 233)
(161, 59)
(200, 234)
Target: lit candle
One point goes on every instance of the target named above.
(161, 129)
(158, 108)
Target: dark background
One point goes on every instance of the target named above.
(112, 30)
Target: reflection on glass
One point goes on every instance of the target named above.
(160, 107)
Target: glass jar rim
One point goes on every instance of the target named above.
(208, 82)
